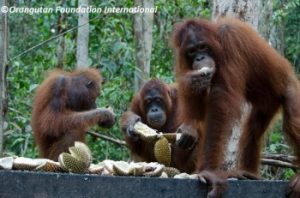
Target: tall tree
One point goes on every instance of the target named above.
(3, 62)
(143, 24)
(83, 36)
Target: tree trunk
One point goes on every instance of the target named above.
(246, 10)
(255, 12)
(83, 36)
(277, 31)
(3, 62)
(277, 37)
(61, 26)
(258, 14)
(265, 18)
(143, 23)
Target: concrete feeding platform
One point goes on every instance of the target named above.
(45, 185)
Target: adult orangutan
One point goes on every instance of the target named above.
(64, 108)
(155, 105)
(221, 65)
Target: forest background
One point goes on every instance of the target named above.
(112, 49)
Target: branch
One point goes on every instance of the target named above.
(281, 157)
(50, 39)
(108, 138)
(273, 162)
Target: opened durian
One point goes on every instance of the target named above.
(23, 163)
(78, 161)
(145, 132)
(71, 164)
(81, 152)
(49, 166)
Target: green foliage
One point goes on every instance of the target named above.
(170, 12)
(111, 49)
(276, 142)
(286, 17)
(286, 13)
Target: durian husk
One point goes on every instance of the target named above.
(171, 172)
(164, 175)
(162, 151)
(186, 176)
(49, 166)
(71, 164)
(153, 169)
(96, 168)
(137, 169)
(145, 132)
(23, 163)
(6, 163)
(81, 152)
(121, 168)
(79, 159)
(108, 167)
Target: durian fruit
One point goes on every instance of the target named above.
(78, 161)
(23, 163)
(71, 164)
(162, 151)
(172, 137)
(49, 166)
(171, 172)
(145, 132)
(6, 163)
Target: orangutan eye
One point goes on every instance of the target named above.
(202, 47)
(191, 53)
(90, 84)
(148, 101)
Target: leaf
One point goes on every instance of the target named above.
(32, 87)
